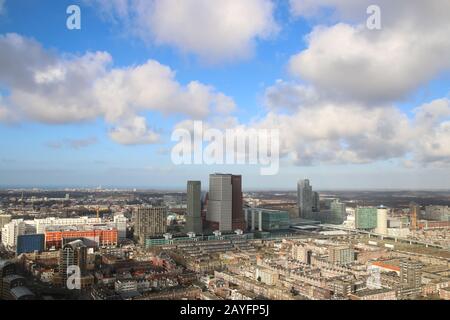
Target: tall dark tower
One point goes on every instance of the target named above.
(194, 208)
(238, 218)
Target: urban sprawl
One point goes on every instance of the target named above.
(224, 244)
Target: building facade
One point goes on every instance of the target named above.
(150, 222)
(225, 204)
(366, 218)
(305, 199)
(382, 223)
(194, 221)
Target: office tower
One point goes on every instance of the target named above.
(305, 199)
(194, 207)
(414, 210)
(120, 223)
(341, 255)
(220, 202)
(72, 254)
(316, 202)
(382, 213)
(366, 218)
(150, 222)
(338, 212)
(237, 212)
(410, 274)
(4, 220)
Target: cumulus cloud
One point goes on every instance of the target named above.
(432, 129)
(348, 60)
(134, 131)
(216, 31)
(56, 89)
(319, 130)
(341, 109)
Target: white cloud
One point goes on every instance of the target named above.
(344, 110)
(323, 131)
(216, 31)
(49, 88)
(289, 96)
(347, 60)
(134, 131)
(432, 129)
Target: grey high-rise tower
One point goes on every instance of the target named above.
(220, 202)
(305, 199)
(194, 207)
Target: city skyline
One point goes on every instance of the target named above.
(97, 106)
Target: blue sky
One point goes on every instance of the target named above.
(36, 151)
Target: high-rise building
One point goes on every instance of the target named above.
(194, 207)
(225, 212)
(11, 231)
(72, 254)
(316, 202)
(237, 212)
(338, 212)
(410, 274)
(366, 218)
(382, 214)
(305, 199)
(120, 223)
(150, 222)
(414, 210)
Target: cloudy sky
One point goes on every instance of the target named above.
(356, 108)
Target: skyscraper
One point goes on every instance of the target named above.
(150, 222)
(225, 212)
(237, 214)
(305, 199)
(338, 212)
(316, 202)
(194, 207)
(414, 209)
(220, 202)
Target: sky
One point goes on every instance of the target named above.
(356, 107)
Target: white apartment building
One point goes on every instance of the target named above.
(11, 231)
